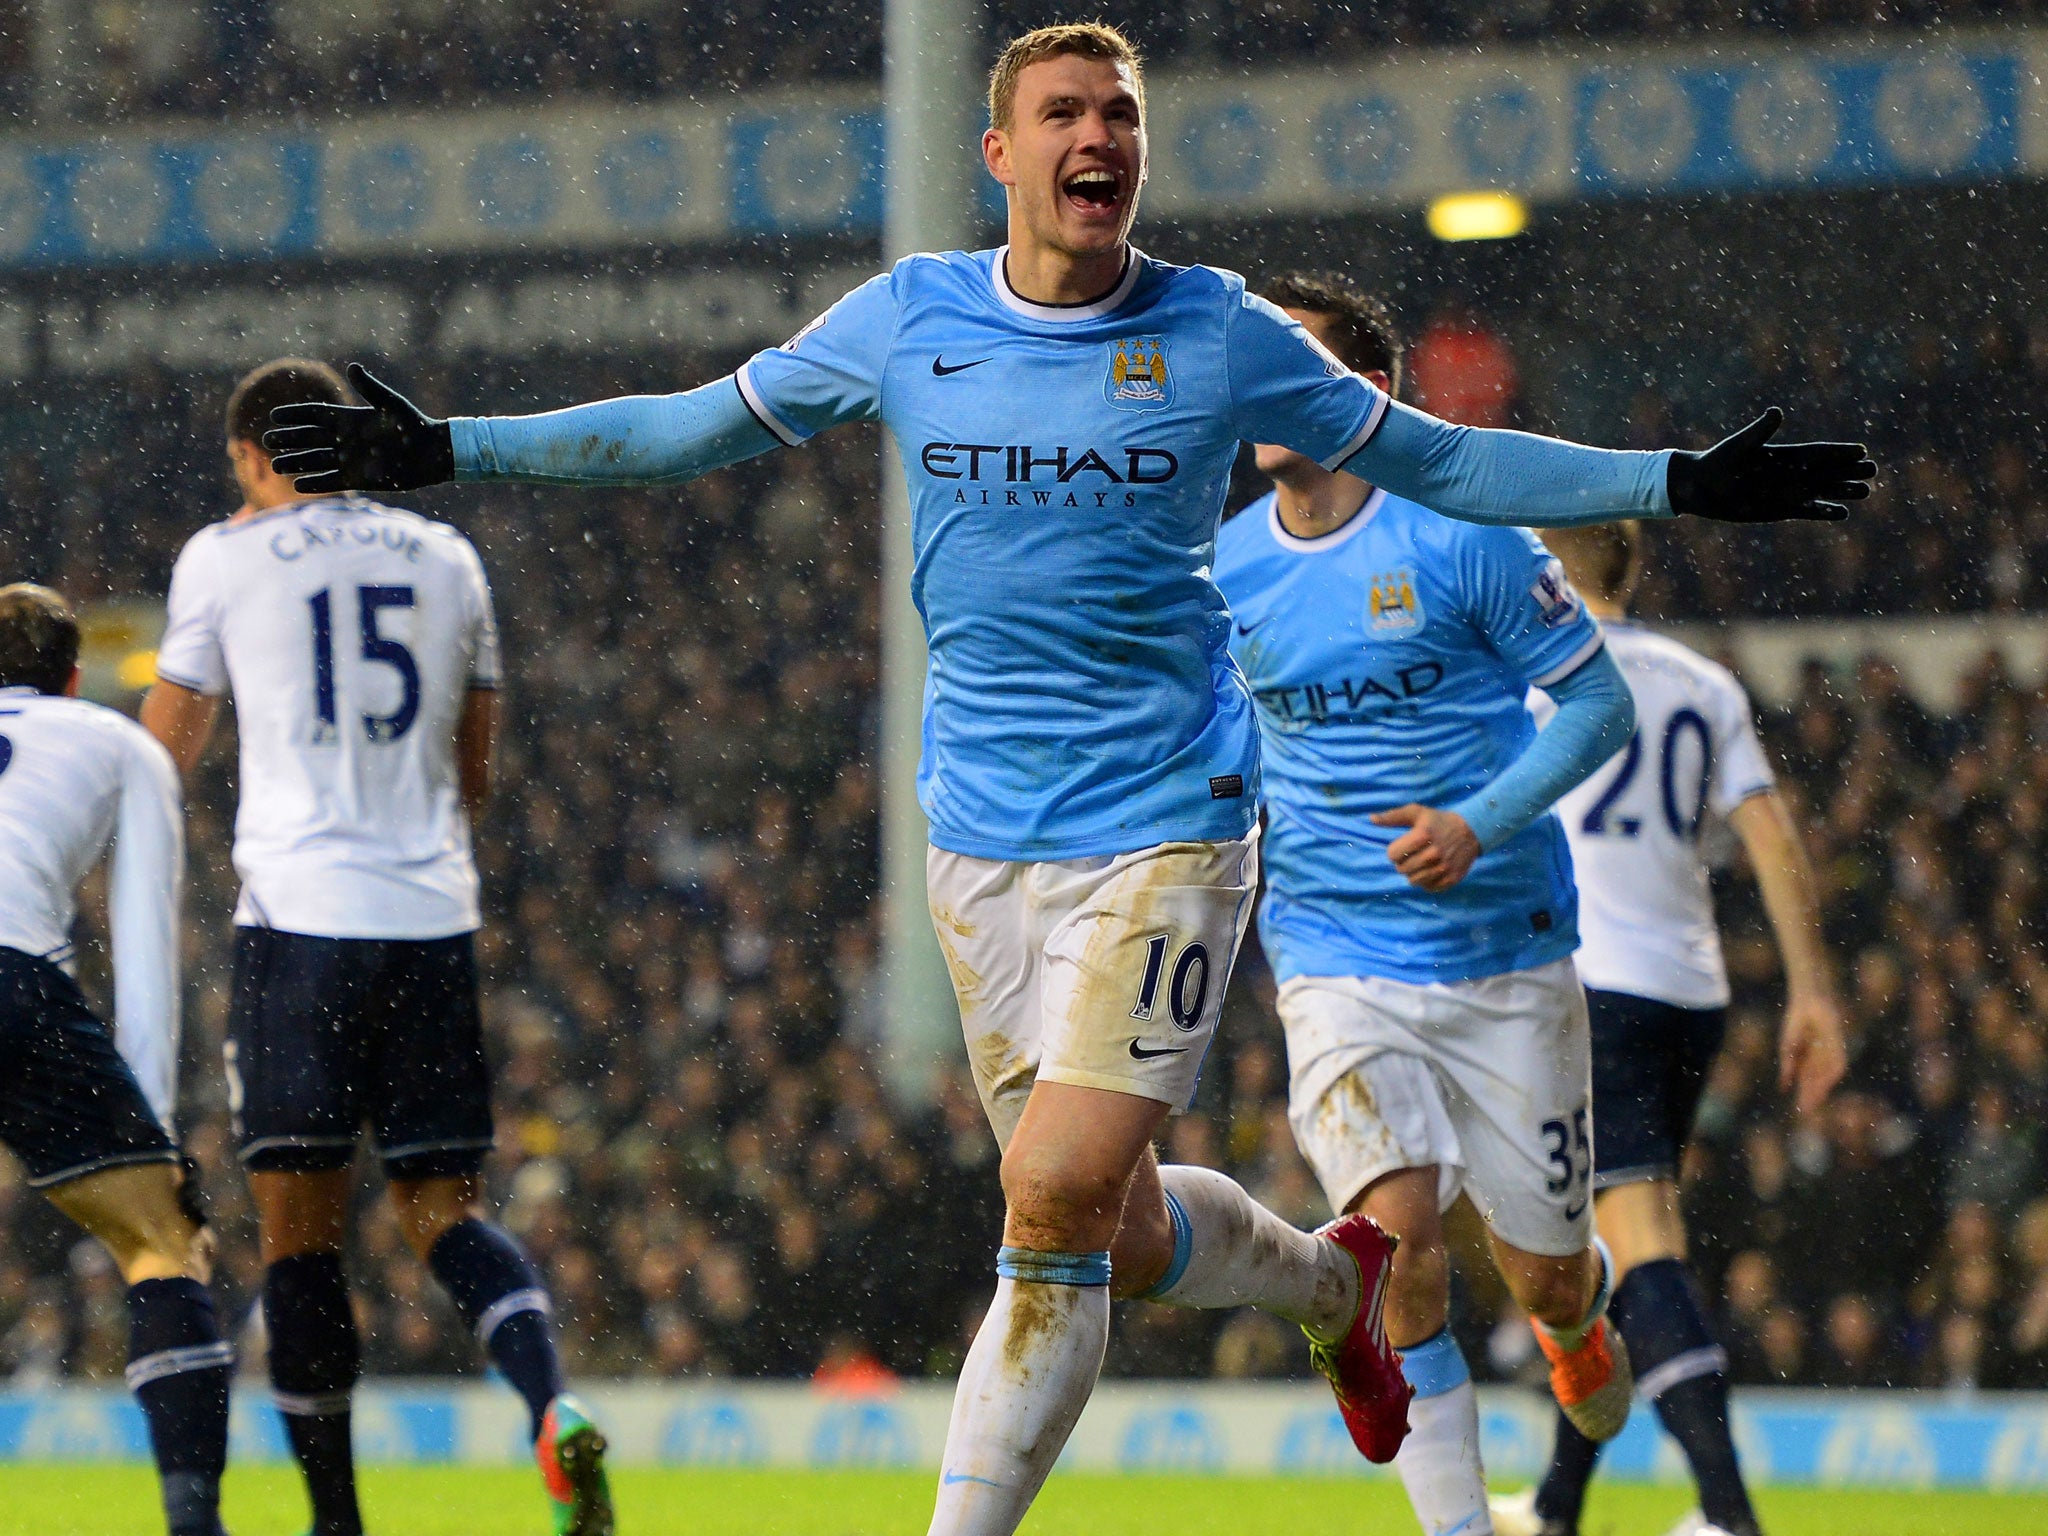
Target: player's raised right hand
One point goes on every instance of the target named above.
(386, 444)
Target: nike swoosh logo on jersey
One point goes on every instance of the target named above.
(940, 367)
(1245, 629)
(1147, 1053)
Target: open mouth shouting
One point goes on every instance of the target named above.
(1094, 193)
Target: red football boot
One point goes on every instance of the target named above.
(1363, 1368)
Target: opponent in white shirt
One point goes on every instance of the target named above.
(1640, 830)
(89, 1111)
(358, 643)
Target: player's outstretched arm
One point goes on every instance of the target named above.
(388, 444)
(1487, 476)
(1812, 1051)
(1595, 713)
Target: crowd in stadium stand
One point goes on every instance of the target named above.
(680, 956)
(283, 56)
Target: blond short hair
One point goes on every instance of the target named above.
(1089, 39)
(1604, 560)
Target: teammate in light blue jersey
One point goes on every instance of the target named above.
(1419, 911)
(1389, 658)
(1067, 411)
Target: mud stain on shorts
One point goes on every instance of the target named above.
(967, 982)
(1001, 1065)
(1130, 913)
(1348, 1111)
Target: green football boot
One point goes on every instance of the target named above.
(571, 1456)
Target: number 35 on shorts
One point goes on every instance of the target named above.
(1568, 1144)
(1186, 986)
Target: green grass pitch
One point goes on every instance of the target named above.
(91, 1500)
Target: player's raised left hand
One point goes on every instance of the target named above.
(1436, 851)
(386, 444)
(1747, 478)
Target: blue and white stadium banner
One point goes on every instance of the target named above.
(1744, 116)
(1860, 1439)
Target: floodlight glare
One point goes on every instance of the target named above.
(1478, 216)
(137, 669)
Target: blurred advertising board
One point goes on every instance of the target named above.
(1849, 1439)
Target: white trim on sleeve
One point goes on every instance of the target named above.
(789, 436)
(1571, 663)
(189, 685)
(1364, 434)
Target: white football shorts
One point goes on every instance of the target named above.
(1105, 972)
(1489, 1080)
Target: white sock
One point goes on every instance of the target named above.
(1027, 1377)
(1439, 1461)
(1230, 1251)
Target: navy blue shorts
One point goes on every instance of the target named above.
(1650, 1064)
(69, 1105)
(327, 1034)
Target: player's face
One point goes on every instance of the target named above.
(1073, 157)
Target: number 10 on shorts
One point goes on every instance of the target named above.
(1186, 992)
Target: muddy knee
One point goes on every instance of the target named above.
(1055, 1206)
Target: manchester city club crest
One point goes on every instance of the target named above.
(1391, 606)
(1138, 378)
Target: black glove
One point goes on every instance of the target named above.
(388, 444)
(1746, 478)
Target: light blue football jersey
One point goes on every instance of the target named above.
(1067, 469)
(1390, 660)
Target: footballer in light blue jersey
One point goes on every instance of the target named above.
(1067, 467)
(1390, 660)
(1419, 912)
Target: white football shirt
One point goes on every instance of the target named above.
(1646, 911)
(74, 776)
(348, 634)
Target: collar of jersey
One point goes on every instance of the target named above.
(341, 499)
(1065, 314)
(1324, 543)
